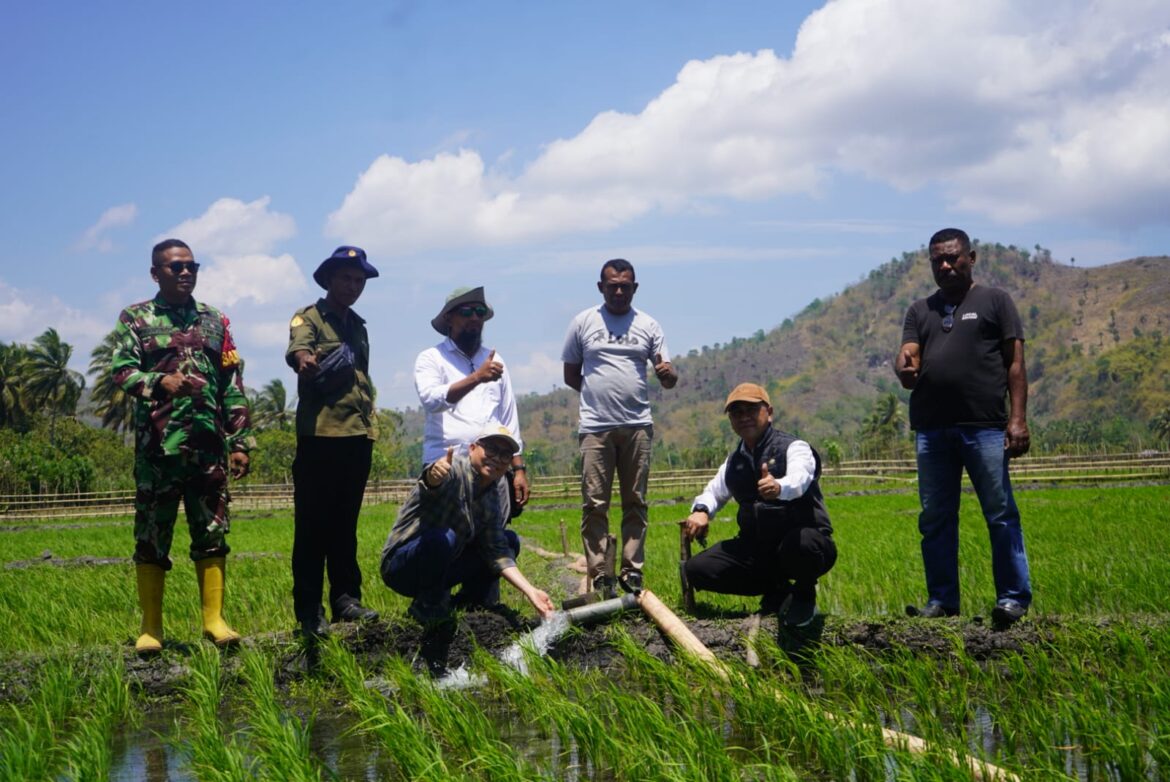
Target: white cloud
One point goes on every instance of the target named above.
(95, 237)
(262, 278)
(234, 242)
(24, 315)
(265, 334)
(1016, 111)
(537, 372)
(232, 227)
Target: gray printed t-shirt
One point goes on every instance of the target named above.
(613, 351)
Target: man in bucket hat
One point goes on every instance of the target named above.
(462, 385)
(785, 540)
(450, 531)
(329, 350)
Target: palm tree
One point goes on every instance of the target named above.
(50, 383)
(13, 397)
(883, 428)
(1161, 425)
(270, 407)
(111, 404)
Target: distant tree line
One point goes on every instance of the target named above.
(50, 442)
(55, 439)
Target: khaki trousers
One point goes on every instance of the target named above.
(626, 450)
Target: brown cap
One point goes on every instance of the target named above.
(747, 392)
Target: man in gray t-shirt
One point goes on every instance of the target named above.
(605, 355)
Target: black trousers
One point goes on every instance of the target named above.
(740, 567)
(330, 476)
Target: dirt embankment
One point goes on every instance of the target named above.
(435, 652)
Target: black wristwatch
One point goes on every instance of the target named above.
(519, 467)
(701, 508)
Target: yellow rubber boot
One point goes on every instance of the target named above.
(211, 578)
(150, 596)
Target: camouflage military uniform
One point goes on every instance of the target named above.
(181, 444)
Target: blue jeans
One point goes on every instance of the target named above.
(427, 568)
(942, 456)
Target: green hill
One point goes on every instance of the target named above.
(1098, 354)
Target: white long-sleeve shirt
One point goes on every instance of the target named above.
(798, 476)
(460, 423)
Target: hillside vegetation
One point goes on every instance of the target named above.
(1097, 353)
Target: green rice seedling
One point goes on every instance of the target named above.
(28, 742)
(457, 721)
(215, 756)
(279, 739)
(414, 751)
(89, 750)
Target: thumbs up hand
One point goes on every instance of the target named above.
(665, 371)
(768, 488)
(439, 470)
(490, 370)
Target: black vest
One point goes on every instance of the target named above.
(768, 521)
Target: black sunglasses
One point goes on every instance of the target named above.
(466, 311)
(492, 451)
(178, 267)
(948, 321)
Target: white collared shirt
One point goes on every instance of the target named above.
(459, 424)
(798, 476)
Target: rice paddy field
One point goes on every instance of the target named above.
(1079, 690)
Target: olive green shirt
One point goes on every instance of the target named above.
(348, 412)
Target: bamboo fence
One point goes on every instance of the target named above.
(898, 473)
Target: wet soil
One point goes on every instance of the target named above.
(48, 558)
(436, 651)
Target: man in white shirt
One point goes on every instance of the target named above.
(463, 385)
(605, 355)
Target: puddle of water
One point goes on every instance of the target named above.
(538, 641)
(148, 752)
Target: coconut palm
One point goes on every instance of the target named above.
(1161, 425)
(50, 383)
(13, 397)
(270, 407)
(111, 404)
(882, 431)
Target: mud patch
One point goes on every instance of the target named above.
(433, 653)
(48, 558)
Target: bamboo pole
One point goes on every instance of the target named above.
(753, 631)
(677, 631)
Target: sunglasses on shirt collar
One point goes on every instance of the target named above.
(948, 321)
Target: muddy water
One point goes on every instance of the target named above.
(153, 751)
(146, 754)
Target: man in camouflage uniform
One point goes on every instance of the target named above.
(177, 357)
(329, 349)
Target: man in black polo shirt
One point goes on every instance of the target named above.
(962, 353)
(785, 540)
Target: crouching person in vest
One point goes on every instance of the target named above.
(450, 532)
(785, 540)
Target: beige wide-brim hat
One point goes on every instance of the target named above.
(747, 392)
(458, 298)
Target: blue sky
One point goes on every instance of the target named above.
(746, 157)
